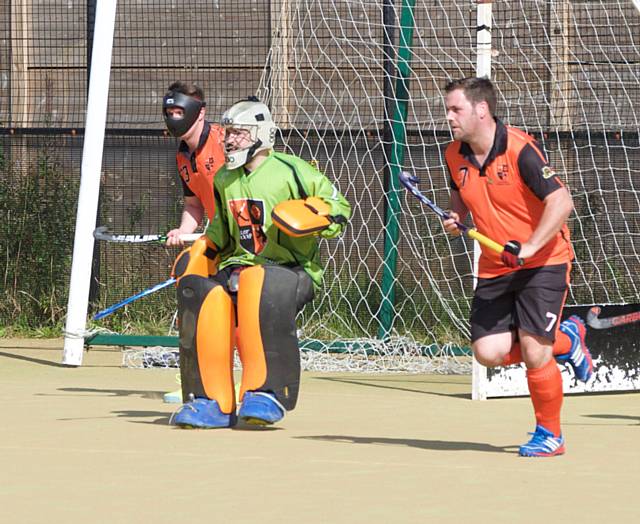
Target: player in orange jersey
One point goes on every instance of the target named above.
(501, 175)
(199, 156)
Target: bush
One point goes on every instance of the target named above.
(37, 219)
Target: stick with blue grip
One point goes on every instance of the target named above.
(111, 309)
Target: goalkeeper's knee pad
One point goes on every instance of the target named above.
(207, 326)
(268, 299)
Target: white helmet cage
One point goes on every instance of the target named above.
(255, 117)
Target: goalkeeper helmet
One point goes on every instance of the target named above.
(253, 116)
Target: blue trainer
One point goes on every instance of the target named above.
(260, 409)
(204, 414)
(543, 443)
(578, 356)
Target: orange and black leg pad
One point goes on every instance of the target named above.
(198, 259)
(207, 328)
(267, 339)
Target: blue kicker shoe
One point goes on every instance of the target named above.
(578, 356)
(542, 444)
(260, 409)
(204, 414)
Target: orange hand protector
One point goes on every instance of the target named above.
(298, 218)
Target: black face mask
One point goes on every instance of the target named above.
(191, 107)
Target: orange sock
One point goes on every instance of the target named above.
(562, 344)
(545, 387)
(514, 356)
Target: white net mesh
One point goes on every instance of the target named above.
(357, 86)
(567, 72)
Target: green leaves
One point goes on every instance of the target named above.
(37, 221)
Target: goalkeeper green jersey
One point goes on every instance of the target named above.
(242, 228)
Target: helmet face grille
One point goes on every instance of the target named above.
(255, 117)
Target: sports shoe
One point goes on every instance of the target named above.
(542, 444)
(260, 409)
(202, 413)
(578, 356)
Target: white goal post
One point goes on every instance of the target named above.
(78, 303)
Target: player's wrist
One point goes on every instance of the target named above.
(527, 250)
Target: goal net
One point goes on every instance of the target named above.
(357, 87)
(566, 72)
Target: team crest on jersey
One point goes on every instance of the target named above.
(209, 163)
(463, 172)
(503, 171)
(548, 172)
(249, 215)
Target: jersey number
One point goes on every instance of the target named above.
(553, 318)
(185, 173)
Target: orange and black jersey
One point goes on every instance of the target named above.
(506, 195)
(198, 169)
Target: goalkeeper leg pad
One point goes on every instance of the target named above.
(207, 326)
(268, 298)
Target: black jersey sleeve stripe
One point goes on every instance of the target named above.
(531, 165)
(186, 190)
(540, 151)
(452, 184)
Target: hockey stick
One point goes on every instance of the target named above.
(409, 181)
(102, 233)
(126, 301)
(609, 322)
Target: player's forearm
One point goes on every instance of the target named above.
(191, 218)
(557, 208)
(457, 205)
(340, 207)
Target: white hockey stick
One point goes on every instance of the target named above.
(609, 322)
(102, 233)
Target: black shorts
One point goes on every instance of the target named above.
(529, 299)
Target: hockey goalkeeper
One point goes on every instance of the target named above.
(243, 284)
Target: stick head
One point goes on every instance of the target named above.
(593, 313)
(100, 231)
(407, 179)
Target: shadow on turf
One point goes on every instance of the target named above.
(368, 382)
(165, 420)
(617, 417)
(434, 445)
(33, 360)
(109, 392)
(161, 419)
